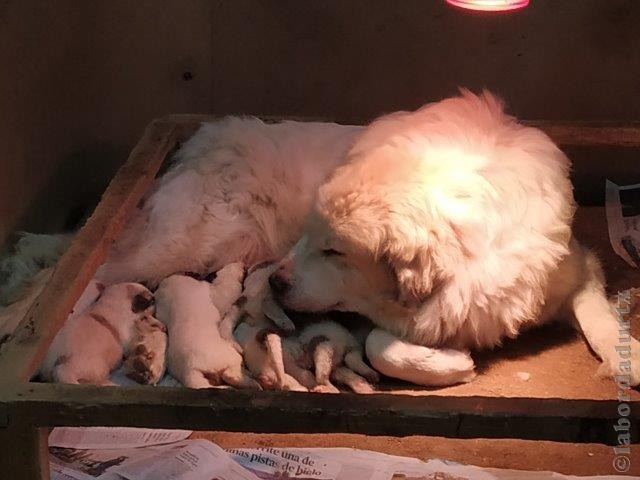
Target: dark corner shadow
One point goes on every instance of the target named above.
(70, 193)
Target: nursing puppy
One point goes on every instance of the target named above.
(270, 348)
(197, 355)
(450, 228)
(91, 344)
(335, 353)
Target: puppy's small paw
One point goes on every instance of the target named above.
(325, 388)
(362, 387)
(268, 381)
(295, 388)
(146, 361)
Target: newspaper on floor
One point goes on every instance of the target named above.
(623, 219)
(109, 438)
(86, 453)
(186, 460)
(312, 463)
(149, 457)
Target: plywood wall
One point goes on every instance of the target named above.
(80, 79)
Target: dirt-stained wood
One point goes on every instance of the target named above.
(591, 134)
(396, 415)
(24, 454)
(22, 354)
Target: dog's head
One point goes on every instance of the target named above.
(378, 236)
(449, 195)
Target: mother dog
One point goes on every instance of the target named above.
(449, 227)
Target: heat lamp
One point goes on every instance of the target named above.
(489, 5)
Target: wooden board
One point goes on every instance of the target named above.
(378, 414)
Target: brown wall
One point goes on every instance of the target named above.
(80, 79)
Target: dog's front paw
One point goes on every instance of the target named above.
(624, 365)
(417, 364)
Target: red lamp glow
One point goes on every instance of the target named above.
(489, 5)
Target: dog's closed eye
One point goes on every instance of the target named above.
(330, 252)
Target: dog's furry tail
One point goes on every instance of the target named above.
(609, 337)
(32, 253)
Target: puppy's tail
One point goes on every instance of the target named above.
(608, 334)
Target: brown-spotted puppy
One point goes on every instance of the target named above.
(91, 345)
(147, 358)
(265, 335)
(197, 355)
(336, 354)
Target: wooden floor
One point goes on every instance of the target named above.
(576, 459)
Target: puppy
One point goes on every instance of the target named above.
(91, 345)
(146, 362)
(261, 337)
(197, 355)
(336, 354)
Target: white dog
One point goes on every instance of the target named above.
(450, 228)
(197, 355)
(240, 191)
(91, 344)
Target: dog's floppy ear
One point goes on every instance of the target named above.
(414, 280)
(399, 237)
(408, 248)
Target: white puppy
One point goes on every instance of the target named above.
(450, 228)
(336, 354)
(91, 345)
(269, 357)
(197, 355)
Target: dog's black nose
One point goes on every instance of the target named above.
(278, 283)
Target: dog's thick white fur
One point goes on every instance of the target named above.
(91, 344)
(197, 355)
(450, 227)
(240, 191)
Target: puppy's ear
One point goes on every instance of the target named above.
(141, 302)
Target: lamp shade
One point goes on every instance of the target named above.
(489, 5)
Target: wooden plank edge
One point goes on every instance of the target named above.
(291, 412)
(564, 133)
(22, 354)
